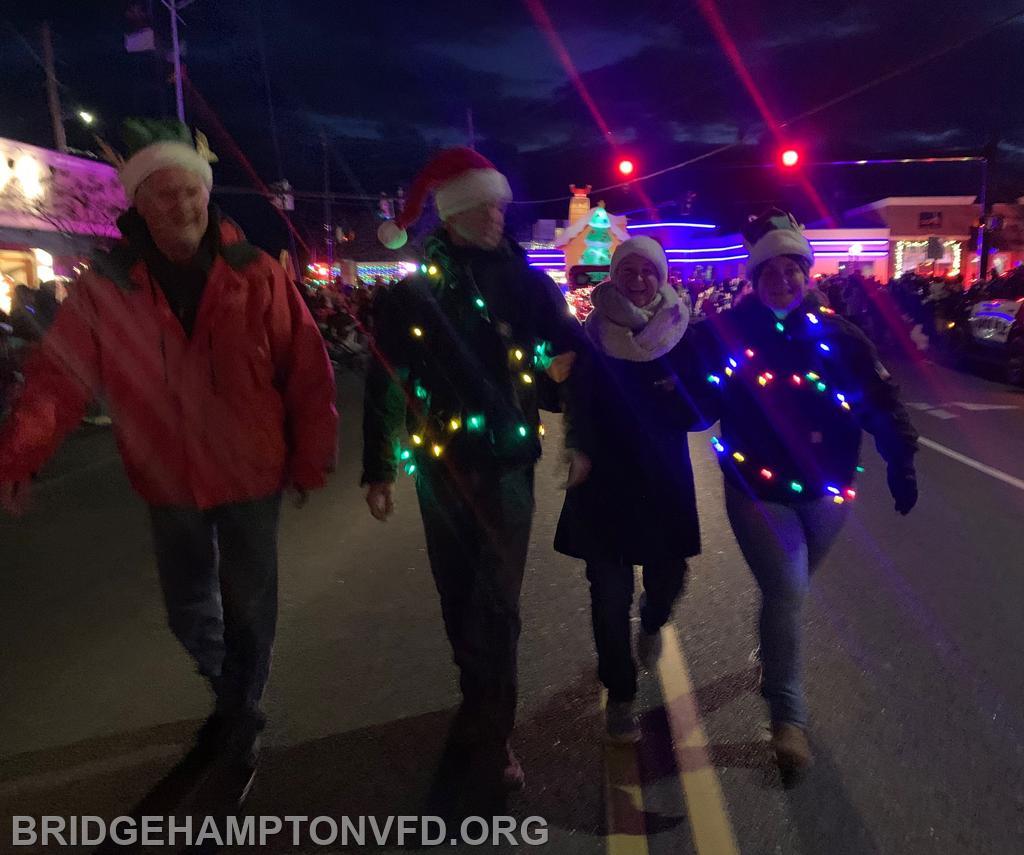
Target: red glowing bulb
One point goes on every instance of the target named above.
(790, 158)
(626, 167)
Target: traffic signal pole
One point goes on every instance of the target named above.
(984, 244)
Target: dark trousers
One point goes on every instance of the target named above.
(611, 598)
(218, 571)
(478, 529)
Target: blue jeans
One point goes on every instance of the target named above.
(218, 572)
(784, 545)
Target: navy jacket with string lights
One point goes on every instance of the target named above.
(461, 350)
(793, 397)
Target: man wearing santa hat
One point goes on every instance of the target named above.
(468, 351)
(221, 395)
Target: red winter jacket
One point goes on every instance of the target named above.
(242, 409)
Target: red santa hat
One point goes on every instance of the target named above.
(459, 178)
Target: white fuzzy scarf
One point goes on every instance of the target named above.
(624, 331)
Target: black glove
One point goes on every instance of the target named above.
(903, 486)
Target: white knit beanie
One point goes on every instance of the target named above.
(645, 247)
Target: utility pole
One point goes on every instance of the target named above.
(175, 6)
(471, 132)
(59, 138)
(328, 225)
(172, 5)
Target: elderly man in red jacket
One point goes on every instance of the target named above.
(222, 396)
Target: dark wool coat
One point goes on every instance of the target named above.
(632, 419)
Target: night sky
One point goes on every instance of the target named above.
(389, 81)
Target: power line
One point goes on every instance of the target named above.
(871, 84)
(301, 195)
(911, 66)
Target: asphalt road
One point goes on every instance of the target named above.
(914, 645)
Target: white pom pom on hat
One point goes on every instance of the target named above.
(392, 235)
(460, 179)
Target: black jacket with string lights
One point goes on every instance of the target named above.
(460, 354)
(793, 397)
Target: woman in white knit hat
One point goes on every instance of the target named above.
(630, 497)
(794, 386)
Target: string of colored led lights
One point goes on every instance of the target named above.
(764, 380)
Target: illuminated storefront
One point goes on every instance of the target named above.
(916, 256)
(54, 209)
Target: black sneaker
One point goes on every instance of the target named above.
(620, 724)
(228, 782)
(648, 648)
(208, 741)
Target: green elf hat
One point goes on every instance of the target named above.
(155, 144)
(775, 233)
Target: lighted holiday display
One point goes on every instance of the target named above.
(598, 238)
(591, 238)
(953, 246)
(385, 270)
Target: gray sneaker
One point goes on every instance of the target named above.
(621, 727)
(648, 648)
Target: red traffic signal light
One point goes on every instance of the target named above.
(790, 158)
(626, 167)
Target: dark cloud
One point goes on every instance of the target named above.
(387, 81)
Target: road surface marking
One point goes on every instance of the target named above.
(709, 820)
(981, 408)
(623, 799)
(974, 464)
(941, 413)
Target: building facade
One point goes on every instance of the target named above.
(54, 209)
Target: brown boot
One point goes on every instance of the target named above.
(792, 750)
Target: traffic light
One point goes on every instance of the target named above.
(626, 167)
(790, 158)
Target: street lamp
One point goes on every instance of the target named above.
(86, 117)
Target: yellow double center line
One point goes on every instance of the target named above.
(705, 804)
